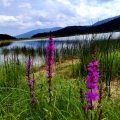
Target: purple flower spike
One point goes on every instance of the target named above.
(31, 82)
(50, 58)
(92, 78)
(29, 62)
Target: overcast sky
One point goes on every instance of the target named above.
(20, 16)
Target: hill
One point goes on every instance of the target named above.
(105, 21)
(110, 26)
(6, 37)
(31, 33)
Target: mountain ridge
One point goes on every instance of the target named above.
(105, 20)
(110, 26)
(31, 33)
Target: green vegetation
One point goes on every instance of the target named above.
(68, 82)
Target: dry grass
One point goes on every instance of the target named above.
(59, 67)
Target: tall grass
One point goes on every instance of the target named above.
(67, 103)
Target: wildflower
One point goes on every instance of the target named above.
(33, 101)
(92, 86)
(50, 57)
(34, 79)
(32, 92)
(29, 62)
(31, 82)
(89, 107)
(92, 79)
(91, 96)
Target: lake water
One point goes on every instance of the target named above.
(58, 42)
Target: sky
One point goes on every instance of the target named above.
(20, 16)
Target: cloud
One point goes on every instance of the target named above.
(4, 18)
(24, 15)
(7, 2)
(24, 5)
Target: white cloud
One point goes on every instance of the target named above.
(39, 23)
(24, 5)
(4, 18)
(29, 14)
(7, 2)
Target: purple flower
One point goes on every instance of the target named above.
(93, 63)
(33, 101)
(32, 92)
(92, 79)
(34, 79)
(91, 96)
(92, 86)
(49, 74)
(27, 70)
(50, 57)
(90, 64)
(89, 107)
(49, 69)
(92, 69)
(29, 83)
(29, 62)
(96, 63)
(49, 62)
(95, 79)
(95, 73)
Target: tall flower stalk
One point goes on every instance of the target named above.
(31, 82)
(92, 79)
(50, 58)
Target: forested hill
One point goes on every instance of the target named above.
(6, 37)
(110, 26)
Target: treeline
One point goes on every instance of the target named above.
(6, 37)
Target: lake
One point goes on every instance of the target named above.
(59, 42)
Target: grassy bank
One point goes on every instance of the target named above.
(66, 102)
